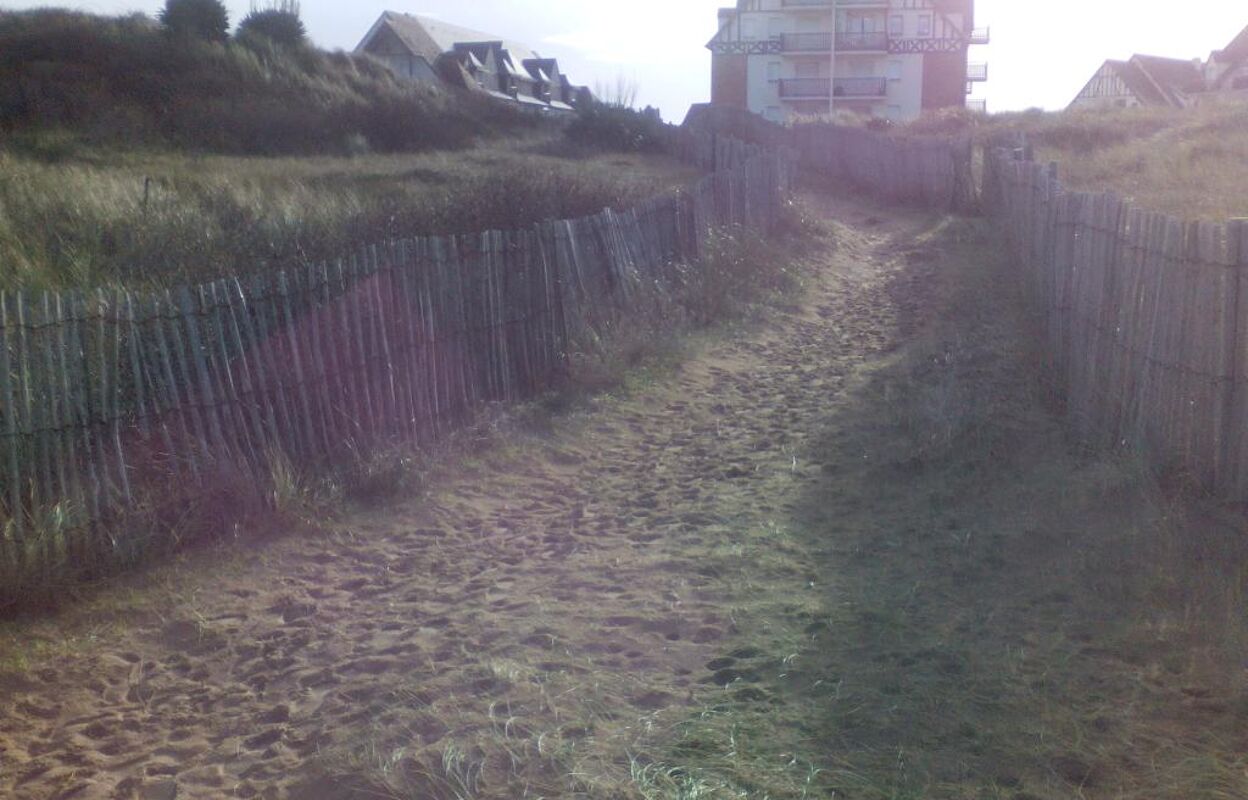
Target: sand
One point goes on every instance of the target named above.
(842, 552)
(488, 604)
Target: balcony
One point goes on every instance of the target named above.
(805, 88)
(862, 42)
(981, 36)
(977, 106)
(830, 3)
(806, 42)
(852, 88)
(977, 73)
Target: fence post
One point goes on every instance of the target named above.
(1230, 473)
(10, 424)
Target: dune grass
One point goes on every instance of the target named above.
(1015, 616)
(1191, 163)
(142, 219)
(122, 81)
(994, 611)
(128, 157)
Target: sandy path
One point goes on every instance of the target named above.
(514, 634)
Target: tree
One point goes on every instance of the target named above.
(623, 94)
(278, 21)
(197, 19)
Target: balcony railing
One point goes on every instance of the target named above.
(981, 36)
(806, 42)
(860, 42)
(859, 87)
(977, 106)
(806, 87)
(977, 72)
(829, 3)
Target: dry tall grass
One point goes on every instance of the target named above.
(104, 217)
(1192, 163)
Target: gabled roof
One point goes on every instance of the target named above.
(1236, 51)
(1174, 77)
(544, 69)
(429, 37)
(473, 59)
(1158, 81)
(1138, 82)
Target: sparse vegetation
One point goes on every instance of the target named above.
(1184, 162)
(618, 127)
(1189, 163)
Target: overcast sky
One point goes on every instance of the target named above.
(1041, 54)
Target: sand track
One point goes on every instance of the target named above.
(539, 613)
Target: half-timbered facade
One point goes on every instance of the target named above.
(1143, 81)
(785, 59)
(1155, 81)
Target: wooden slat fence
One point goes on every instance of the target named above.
(933, 171)
(1146, 328)
(102, 390)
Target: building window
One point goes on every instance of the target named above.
(896, 25)
(773, 71)
(894, 70)
(775, 27)
(925, 24)
(748, 30)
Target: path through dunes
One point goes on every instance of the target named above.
(822, 558)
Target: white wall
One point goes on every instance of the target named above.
(769, 19)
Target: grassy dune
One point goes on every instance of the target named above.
(125, 81)
(140, 219)
(1192, 163)
(130, 157)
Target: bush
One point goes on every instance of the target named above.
(619, 128)
(944, 122)
(279, 23)
(197, 19)
(125, 81)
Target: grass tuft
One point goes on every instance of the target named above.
(158, 219)
(1189, 163)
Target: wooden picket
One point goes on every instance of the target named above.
(1146, 331)
(932, 171)
(102, 391)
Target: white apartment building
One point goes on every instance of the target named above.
(785, 59)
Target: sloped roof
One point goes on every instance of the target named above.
(1137, 82)
(544, 69)
(1174, 77)
(429, 37)
(1236, 51)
